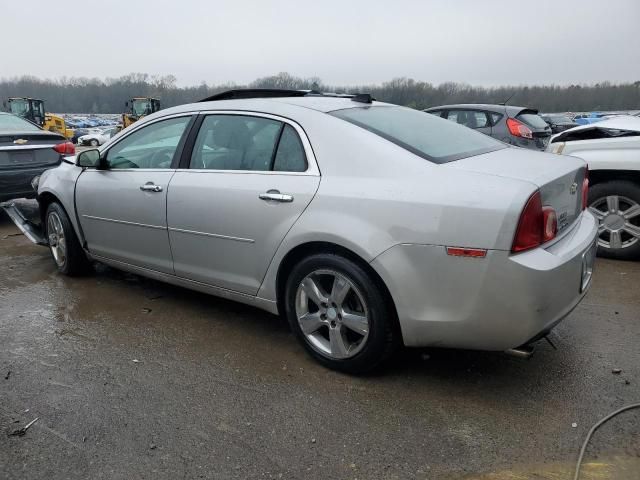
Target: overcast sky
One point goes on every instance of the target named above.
(346, 42)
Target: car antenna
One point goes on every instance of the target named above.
(510, 97)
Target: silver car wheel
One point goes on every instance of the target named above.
(336, 324)
(618, 219)
(57, 240)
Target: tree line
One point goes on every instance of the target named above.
(94, 95)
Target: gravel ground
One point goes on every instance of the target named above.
(130, 378)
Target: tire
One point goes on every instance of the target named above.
(94, 143)
(353, 327)
(64, 246)
(616, 205)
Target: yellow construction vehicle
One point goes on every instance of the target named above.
(32, 109)
(137, 108)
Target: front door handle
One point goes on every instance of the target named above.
(150, 187)
(276, 196)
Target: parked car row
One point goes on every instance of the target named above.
(355, 219)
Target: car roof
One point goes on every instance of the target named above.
(510, 109)
(272, 105)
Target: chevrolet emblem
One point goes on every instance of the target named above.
(573, 189)
(20, 141)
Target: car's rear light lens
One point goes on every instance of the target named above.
(66, 148)
(550, 224)
(537, 225)
(585, 189)
(518, 129)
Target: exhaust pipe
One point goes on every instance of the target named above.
(525, 351)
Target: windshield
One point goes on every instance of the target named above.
(11, 123)
(19, 107)
(141, 107)
(433, 138)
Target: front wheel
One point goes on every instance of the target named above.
(340, 313)
(94, 143)
(616, 205)
(63, 242)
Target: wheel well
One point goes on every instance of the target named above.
(600, 176)
(44, 200)
(307, 249)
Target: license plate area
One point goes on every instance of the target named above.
(588, 260)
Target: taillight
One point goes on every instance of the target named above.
(518, 129)
(536, 226)
(585, 189)
(66, 148)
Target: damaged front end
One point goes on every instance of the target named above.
(31, 230)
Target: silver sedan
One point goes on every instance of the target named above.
(367, 225)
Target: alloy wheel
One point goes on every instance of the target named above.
(57, 241)
(619, 221)
(332, 314)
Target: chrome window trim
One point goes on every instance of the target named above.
(312, 163)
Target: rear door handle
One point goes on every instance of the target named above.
(276, 196)
(150, 187)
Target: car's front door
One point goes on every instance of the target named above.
(122, 207)
(249, 178)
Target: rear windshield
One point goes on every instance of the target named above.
(11, 123)
(532, 119)
(433, 138)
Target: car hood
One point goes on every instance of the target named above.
(538, 168)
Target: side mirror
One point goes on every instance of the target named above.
(89, 158)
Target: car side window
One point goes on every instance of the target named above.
(437, 113)
(495, 118)
(153, 146)
(290, 156)
(469, 118)
(243, 142)
(235, 142)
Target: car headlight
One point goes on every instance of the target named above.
(35, 182)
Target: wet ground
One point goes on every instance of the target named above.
(130, 378)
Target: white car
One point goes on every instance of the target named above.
(612, 150)
(97, 138)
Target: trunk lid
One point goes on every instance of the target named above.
(29, 149)
(559, 178)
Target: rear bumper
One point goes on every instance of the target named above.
(495, 303)
(17, 183)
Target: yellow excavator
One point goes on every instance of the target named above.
(137, 108)
(32, 109)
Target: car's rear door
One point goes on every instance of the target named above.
(247, 179)
(475, 119)
(122, 208)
